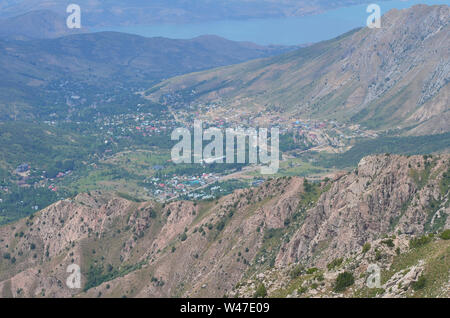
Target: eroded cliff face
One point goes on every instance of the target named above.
(142, 249)
(145, 249)
(386, 194)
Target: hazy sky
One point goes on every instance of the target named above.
(285, 30)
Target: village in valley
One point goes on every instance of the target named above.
(160, 183)
(133, 155)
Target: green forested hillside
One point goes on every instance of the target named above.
(43, 146)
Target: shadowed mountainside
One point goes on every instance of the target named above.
(108, 60)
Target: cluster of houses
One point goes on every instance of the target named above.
(329, 133)
(23, 168)
(140, 124)
(309, 131)
(172, 186)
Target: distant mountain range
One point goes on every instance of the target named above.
(39, 24)
(115, 12)
(394, 77)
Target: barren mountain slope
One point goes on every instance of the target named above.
(383, 78)
(213, 248)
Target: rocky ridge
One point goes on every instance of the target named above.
(258, 235)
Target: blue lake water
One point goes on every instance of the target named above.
(285, 31)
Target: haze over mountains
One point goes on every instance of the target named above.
(39, 24)
(396, 76)
(115, 12)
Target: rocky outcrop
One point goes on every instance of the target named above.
(386, 194)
